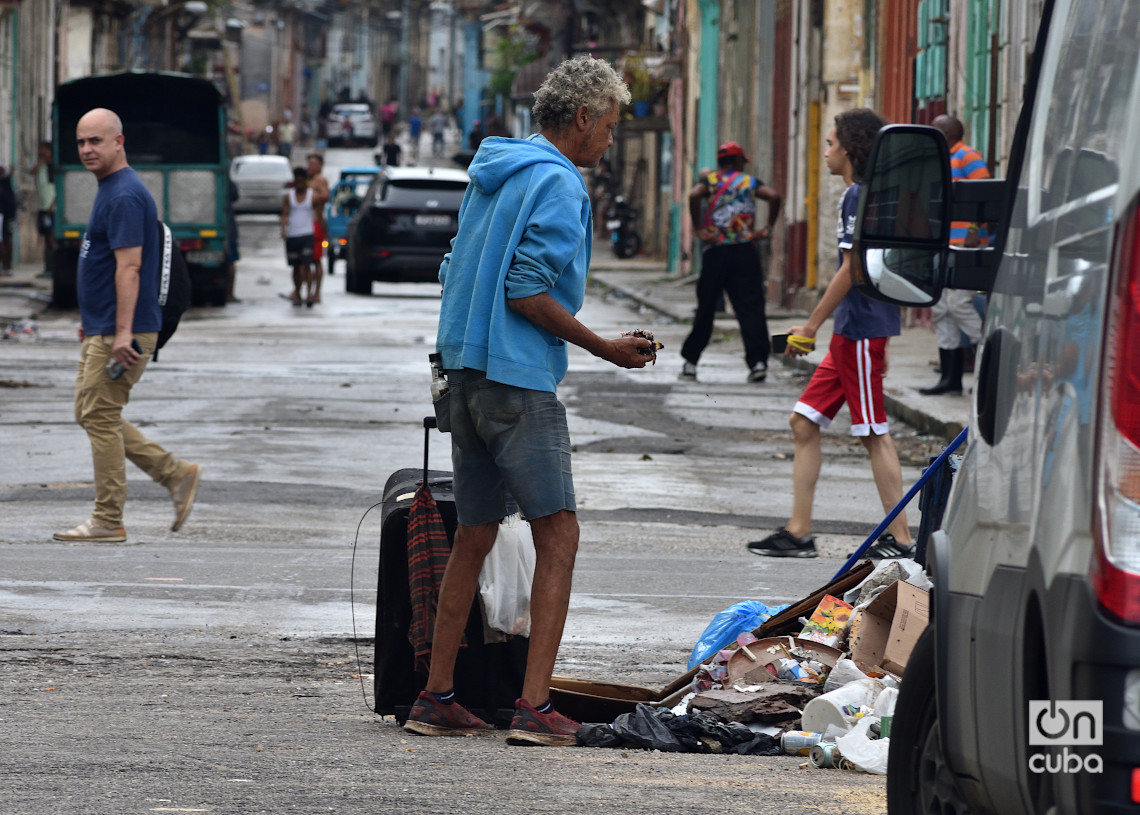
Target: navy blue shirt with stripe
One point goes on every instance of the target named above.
(858, 317)
(123, 215)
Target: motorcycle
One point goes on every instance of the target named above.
(621, 221)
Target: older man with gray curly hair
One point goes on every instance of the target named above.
(512, 283)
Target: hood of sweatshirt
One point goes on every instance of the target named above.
(499, 158)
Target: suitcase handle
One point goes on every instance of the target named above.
(429, 425)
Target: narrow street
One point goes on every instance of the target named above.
(215, 669)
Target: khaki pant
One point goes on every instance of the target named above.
(99, 403)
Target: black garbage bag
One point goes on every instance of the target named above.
(646, 728)
(761, 745)
(732, 737)
(653, 728)
(727, 734)
(682, 729)
(598, 735)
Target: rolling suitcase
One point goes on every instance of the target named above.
(488, 676)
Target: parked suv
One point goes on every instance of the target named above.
(404, 227)
(1023, 694)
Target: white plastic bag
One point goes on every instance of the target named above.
(844, 672)
(504, 582)
(869, 755)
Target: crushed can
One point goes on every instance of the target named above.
(826, 756)
(799, 742)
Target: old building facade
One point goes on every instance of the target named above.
(770, 74)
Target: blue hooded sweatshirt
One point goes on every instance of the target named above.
(525, 228)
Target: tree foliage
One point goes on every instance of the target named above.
(512, 52)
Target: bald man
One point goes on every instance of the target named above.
(118, 279)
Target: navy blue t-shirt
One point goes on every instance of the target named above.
(858, 317)
(122, 216)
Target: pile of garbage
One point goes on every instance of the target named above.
(22, 331)
(826, 692)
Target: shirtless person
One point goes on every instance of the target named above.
(320, 187)
(298, 215)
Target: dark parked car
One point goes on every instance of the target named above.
(405, 227)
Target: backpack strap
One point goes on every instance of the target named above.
(721, 188)
(167, 254)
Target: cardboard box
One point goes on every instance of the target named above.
(884, 633)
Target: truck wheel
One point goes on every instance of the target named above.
(354, 282)
(331, 263)
(919, 782)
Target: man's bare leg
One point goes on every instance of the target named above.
(318, 275)
(298, 282)
(805, 472)
(456, 593)
(888, 479)
(556, 547)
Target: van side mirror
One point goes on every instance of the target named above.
(903, 223)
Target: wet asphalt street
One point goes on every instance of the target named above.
(215, 669)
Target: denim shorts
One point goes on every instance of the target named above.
(506, 439)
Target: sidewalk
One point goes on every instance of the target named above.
(910, 356)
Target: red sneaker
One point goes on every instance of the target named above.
(548, 729)
(429, 717)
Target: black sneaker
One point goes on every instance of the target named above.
(887, 548)
(783, 543)
(759, 372)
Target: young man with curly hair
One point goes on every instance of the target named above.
(512, 283)
(852, 371)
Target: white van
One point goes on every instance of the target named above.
(1023, 694)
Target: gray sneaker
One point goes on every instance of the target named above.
(688, 372)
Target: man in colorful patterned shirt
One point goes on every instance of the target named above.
(954, 314)
(723, 210)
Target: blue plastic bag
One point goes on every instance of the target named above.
(725, 626)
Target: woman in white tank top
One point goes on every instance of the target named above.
(297, 230)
